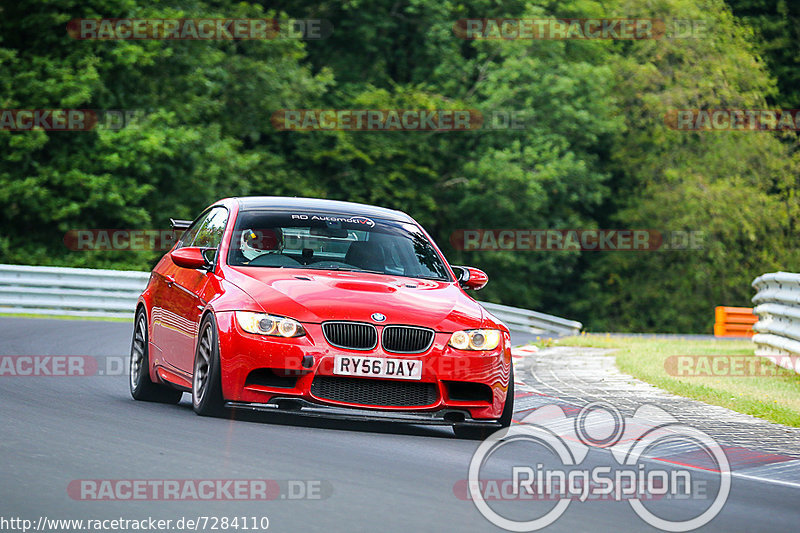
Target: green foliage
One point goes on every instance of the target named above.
(203, 133)
(776, 24)
(737, 188)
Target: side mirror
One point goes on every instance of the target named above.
(471, 278)
(190, 257)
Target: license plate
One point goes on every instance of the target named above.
(377, 367)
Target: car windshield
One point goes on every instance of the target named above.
(334, 242)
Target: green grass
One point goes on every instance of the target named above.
(775, 398)
(67, 317)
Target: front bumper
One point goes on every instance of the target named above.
(295, 406)
(302, 359)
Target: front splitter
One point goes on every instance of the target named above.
(295, 406)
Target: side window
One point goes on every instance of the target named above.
(210, 233)
(189, 235)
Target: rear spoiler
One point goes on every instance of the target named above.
(179, 224)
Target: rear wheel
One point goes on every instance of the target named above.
(206, 383)
(479, 433)
(141, 386)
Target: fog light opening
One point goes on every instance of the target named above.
(454, 417)
(287, 404)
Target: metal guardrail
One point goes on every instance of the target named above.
(778, 308)
(113, 293)
(526, 321)
(70, 291)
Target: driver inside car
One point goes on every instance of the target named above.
(255, 243)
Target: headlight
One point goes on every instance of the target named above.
(475, 339)
(264, 324)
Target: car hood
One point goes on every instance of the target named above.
(317, 296)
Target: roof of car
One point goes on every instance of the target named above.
(318, 205)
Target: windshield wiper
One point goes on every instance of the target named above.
(333, 267)
(344, 269)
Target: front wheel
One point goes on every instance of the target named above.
(141, 386)
(206, 382)
(479, 433)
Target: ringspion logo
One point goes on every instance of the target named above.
(630, 476)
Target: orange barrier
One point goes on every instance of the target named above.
(734, 321)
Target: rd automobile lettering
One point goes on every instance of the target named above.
(325, 218)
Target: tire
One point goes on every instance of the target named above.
(141, 386)
(508, 408)
(206, 382)
(480, 433)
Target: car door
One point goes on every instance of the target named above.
(186, 301)
(163, 296)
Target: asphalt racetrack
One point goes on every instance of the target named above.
(332, 476)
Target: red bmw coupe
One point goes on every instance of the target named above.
(321, 308)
